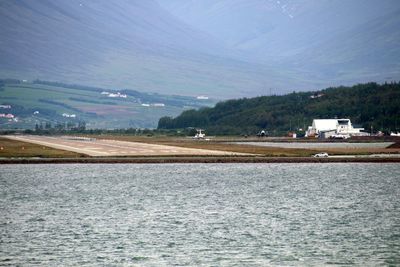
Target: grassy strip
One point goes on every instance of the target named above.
(13, 148)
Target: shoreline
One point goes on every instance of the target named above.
(164, 160)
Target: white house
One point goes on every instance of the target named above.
(329, 127)
(117, 94)
(66, 115)
(158, 104)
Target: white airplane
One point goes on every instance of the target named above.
(200, 134)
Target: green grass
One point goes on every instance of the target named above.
(122, 113)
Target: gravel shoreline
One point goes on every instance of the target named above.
(205, 159)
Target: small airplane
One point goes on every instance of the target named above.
(199, 135)
(263, 133)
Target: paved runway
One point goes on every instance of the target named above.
(107, 148)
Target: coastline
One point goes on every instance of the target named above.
(203, 159)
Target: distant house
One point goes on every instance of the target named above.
(317, 96)
(158, 105)
(202, 97)
(8, 116)
(5, 106)
(66, 115)
(326, 128)
(117, 94)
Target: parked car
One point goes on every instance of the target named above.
(340, 136)
(321, 155)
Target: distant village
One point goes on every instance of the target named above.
(119, 95)
(9, 116)
(6, 114)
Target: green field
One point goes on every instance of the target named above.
(88, 104)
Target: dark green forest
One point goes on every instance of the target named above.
(371, 105)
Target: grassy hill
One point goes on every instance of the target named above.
(366, 105)
(40, 102)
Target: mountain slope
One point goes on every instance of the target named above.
(331, 40)
(224, 48)
(122, 43)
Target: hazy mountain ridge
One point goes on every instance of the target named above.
(322, 40)
(117, 44)
(228, 48)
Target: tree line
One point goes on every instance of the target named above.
(370, 105)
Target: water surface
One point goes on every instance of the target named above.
(200, 214)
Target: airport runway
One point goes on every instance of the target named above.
(109, 148)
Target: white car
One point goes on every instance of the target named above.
(321, 155)
(340, 136)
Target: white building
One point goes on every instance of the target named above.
(158, 104)
(66, 115)
(328, 127)
(117, 94)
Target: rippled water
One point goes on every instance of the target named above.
(200, 214)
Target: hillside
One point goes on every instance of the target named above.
(366, 105)
(42, 102)
(326, 40)
(122, 43)
(223, 48)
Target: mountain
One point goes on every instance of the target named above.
(368, 105)
(329, 40)
(219, 48)
(135, 44)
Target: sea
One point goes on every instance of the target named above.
(200, 214)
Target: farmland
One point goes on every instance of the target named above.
(49, 101)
